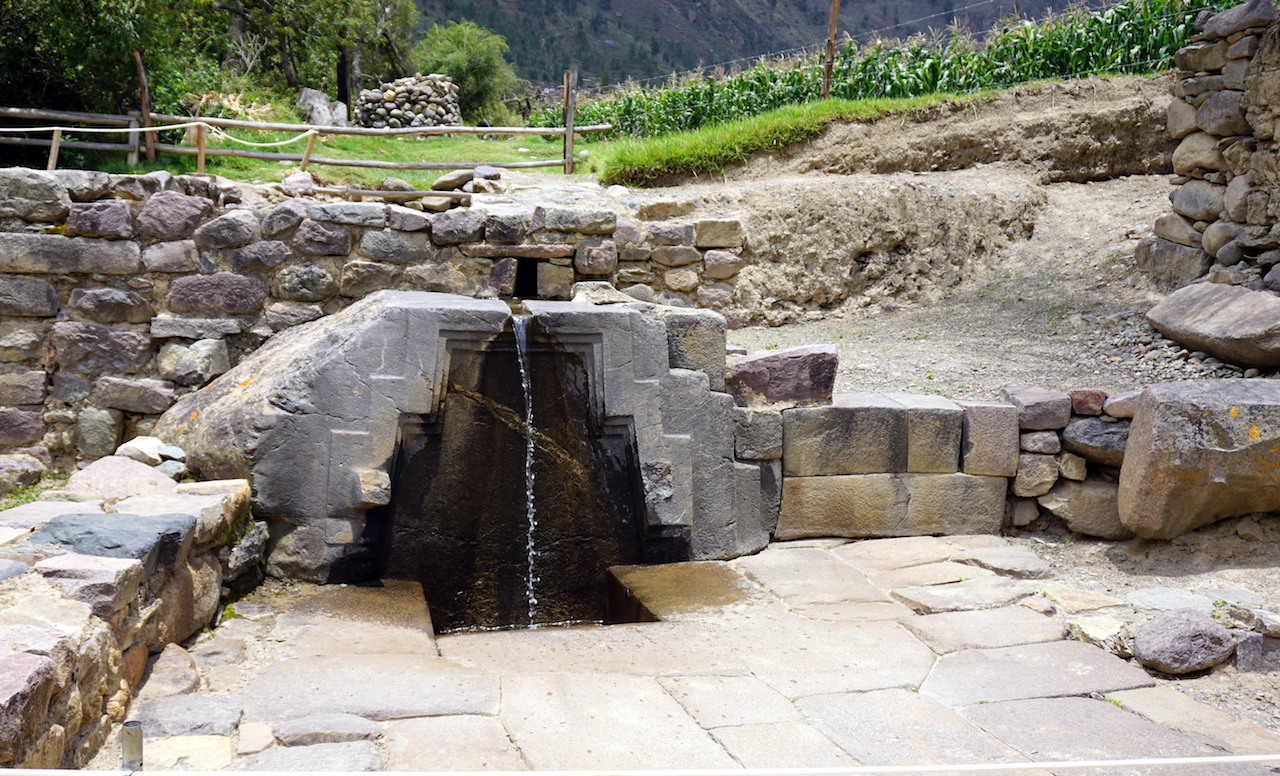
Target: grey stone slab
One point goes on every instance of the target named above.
(1165, 599)
(1049, 670)
(781, 745)
(1008, 561)
(579, 721)
(934, 428)
(985, 629)
(455, 743)
(807, 576)
(347, 757)
(800, 657)
(648, 649)
(1055, 729)
(379, 687)
(990, 438)
(885, 554)
(981, 593)
(942, 573)
(154, 540)
(1201, 722)
(757, 434)
(719, 701)
(189, 715)
(859, 433)
(326, 729)
(853, 612)
(900, 727)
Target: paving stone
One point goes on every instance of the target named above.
(1073, 601)
(425, 686)
(189, 715)
(455, 743)
(871, 611)
(989, 442)
(941, 573)
(987, 629)
(900, 727)
(982, 593)
(391, 619)
(1201, 722)
(204, 753)
(719, 701)
(326, 729)
(576, 721)
(352, 756)
(885, 554)
(1048, 670)
(1067, 729)
(1008, 561)
(1164, 599)
(807, 576)
(1104, 632)
(254, 737)
(172, 672)
(781, 745)
(648, 649)
(800, 657)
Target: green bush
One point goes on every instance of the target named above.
(1132, 36)
(474, 58)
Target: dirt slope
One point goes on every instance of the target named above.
(1083, 130)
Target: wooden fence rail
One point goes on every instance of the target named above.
(140, 132)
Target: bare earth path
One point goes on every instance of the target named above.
(1047, 315)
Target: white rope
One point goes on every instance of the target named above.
(216, 131)
(225, 136)
(847, 771)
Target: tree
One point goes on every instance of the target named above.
(474, 58)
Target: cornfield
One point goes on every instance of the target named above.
(1131, 36)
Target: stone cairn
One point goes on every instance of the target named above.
(413, 101)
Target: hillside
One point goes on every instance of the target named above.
(612, 40)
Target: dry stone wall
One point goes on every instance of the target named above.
(94, 581)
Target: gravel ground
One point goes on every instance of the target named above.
(1064, 310)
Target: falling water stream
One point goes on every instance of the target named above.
(520, 325)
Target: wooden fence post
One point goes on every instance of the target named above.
(570, 105)
(830, 59)
(144, 94)
(200, 148)
(54, 146)
(306, 155)
(132, 158)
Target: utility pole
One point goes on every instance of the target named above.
(831, 48)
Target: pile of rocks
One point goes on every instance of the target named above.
(413, 101)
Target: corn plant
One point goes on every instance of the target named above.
(1131, 36)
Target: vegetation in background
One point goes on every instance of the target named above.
(25, 494)
(647, 162)
(1131, 36)
(475, 59)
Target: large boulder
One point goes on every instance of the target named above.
(1232, 323)
(1198, 452)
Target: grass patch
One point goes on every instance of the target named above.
(710, 149)
(25, 494)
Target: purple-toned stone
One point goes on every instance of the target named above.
(803, 374)
(27, 296)
(110, 305)
(1087, 401)
(20, 426)
(169, 215)
(88, 348)
(108, 218)
(222, 293)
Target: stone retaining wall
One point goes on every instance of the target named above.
(90, 590)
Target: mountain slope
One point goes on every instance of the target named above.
(612, 40)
